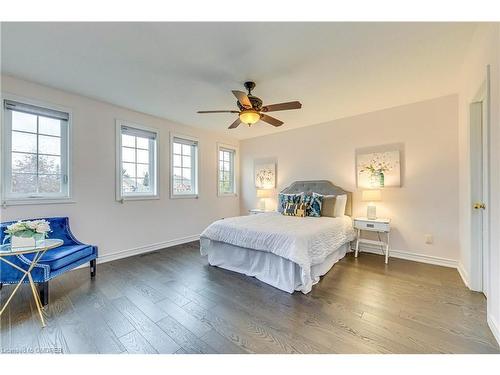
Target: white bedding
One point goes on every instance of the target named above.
(305, 241)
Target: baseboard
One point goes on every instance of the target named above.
(494, 327)
(463, 274)
(145, 249)
(422, 258)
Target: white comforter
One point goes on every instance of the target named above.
(304, 241)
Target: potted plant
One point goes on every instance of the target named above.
(27, 233)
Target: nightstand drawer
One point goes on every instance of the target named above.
(371, 225)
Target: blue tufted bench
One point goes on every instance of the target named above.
(54, 262)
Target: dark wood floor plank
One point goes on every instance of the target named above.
(343, 340)
(184, 338)
(234, 334)
(285, 339)
(221, 344)
(172, 301)
(136, 344)
(187, 320)
(158, 339)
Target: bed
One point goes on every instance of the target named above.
(290, 253)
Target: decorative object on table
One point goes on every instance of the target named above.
(371, 196)
(263, 194)
(296, 209)
(378, 169)
(284, 198)
(378, 226)
(71, 254)
(265, 175)
(27, 233)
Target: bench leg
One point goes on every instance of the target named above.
(93, 268)
(44, 293)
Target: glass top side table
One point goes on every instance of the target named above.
(38, 250)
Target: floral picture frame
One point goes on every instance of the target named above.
(265, 175)
(379, 169)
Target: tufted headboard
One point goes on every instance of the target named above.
(323, 187)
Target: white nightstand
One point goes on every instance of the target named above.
(376, 225)
(255, 211)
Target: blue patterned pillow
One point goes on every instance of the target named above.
(295, 209)
(283, 199)
(314, 203)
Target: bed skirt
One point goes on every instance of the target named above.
(267, 267)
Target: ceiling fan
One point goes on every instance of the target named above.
(252, 110)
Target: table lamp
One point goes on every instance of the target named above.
(263, 194)
(371, 196)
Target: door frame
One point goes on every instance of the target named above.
(480, 257)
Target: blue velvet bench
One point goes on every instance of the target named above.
(54, 262)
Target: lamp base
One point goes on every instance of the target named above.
(371, 212)
(262, 204)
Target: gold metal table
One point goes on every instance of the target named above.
(38, 250)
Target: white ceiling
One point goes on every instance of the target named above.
(172, 70)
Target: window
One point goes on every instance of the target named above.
(226, 176)
(184, 172)
(137, 170)
(36, 153)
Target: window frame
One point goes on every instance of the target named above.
(120, 197)
(196, 172)
(5, 156)
(234, 149)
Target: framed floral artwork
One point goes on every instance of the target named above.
(378, 169)
(265, 175)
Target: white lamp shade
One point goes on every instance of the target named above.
(264, 193)
(371, 196)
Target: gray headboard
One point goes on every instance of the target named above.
(321, 187)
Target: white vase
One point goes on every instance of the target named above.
(17, 242)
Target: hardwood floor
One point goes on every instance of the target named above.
(171, 301)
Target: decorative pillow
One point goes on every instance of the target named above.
(295, 209)
(288, 198)
(314, 203)
(328, 205)
(340, 204)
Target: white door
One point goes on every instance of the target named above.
(479, 192)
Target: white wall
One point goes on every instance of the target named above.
(96, 217)
(427, 201)
(484, 50)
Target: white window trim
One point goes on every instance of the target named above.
(235, 166)
(118, 183)
(197, 169)
(6, 146)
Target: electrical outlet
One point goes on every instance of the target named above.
(429, 239)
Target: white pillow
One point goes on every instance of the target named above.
(340, 204)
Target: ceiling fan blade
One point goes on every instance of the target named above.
(242, 98)
(218, 111)
(282, 106)
(235, 123)
(271, 120)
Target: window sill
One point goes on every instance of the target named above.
(138, 198)
(36, 201)
(230, 195)
(186, 196)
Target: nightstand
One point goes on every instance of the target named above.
(255, 211)
(375, 225)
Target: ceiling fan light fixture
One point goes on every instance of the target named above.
(249, 116)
